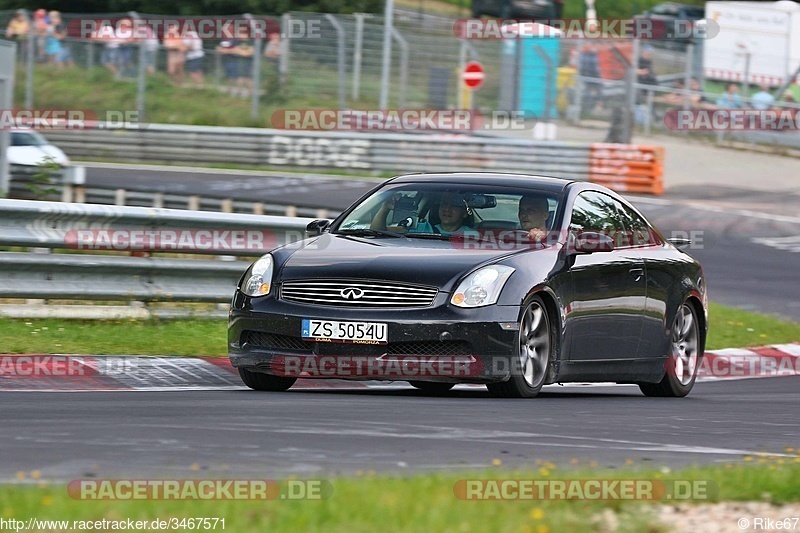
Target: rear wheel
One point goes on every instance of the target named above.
(265, 382)
(683, 360)
(432, 386)
(535, 348)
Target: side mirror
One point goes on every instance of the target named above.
(679, 242)
(316, 227)
(590, 242)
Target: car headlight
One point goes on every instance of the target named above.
(259, 279)
(482, 287)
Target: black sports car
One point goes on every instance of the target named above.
(512, 281)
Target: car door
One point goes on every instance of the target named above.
(606, 311)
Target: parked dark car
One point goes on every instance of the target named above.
(514, 9)
(672, 23)
(392, 290)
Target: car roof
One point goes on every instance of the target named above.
(545, 183)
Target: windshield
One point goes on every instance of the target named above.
(443, 209)
(27, 138)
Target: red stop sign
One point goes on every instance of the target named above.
(473, 75)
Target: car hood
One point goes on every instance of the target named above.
(34, 155)
(424, 262)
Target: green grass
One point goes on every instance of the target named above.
(422, 502)
(734, 328)
(192, 337)
(729, 328)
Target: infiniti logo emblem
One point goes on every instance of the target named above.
(351, 293)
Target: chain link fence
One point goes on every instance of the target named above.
(335, 62)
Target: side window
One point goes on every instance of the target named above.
(638, 231)
(596, 212)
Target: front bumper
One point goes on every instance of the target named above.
(438, 343)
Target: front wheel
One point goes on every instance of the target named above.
(534, 353)
(265, 382)
(684, 358)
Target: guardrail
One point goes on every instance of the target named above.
(105, 229)
(394, 152)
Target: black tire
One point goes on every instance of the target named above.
(535, 352)
(432, 387)
(686, 349)
(265, 382)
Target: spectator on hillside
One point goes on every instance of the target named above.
(644, 72)
(272, 50)
(589, 71)
(151, 46)
(40, 25)
(127, 47)
(730, 98)
(58, 52)
(194, 57)
(176, 57)
(17, 30)
(762, 100)
(109, 58)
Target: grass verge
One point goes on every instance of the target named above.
(430, 503)
(729, 328)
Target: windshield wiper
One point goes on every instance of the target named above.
(436, 236)
(368, 232)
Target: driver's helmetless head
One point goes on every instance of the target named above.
(533, 212)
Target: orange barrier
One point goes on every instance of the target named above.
(627, 167)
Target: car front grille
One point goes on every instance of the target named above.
(365, 294)
(273, 342)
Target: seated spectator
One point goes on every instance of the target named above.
(730, 98)
(763, 100)
(696, 98)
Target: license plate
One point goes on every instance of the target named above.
(352, 332)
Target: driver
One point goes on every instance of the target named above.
(453, 215)
(533, 214)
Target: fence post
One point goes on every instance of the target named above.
(630, 105)
(687, 78)
(403, 67)
(548, 97)
(357, 49)
(141, 80)
(255, 68)
(29, 58)
(283, 59)
(340, 36)
(387, 53)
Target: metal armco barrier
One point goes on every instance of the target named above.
(94, 228)
(96, 277)
(395, 152)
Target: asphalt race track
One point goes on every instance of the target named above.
(230, 433)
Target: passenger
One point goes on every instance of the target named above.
(534, 212)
